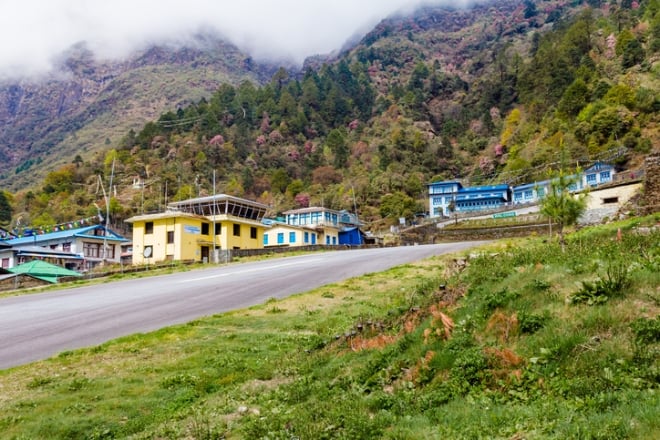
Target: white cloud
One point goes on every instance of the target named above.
(36, 32)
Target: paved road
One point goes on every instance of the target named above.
(38, 326)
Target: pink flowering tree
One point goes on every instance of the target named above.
(302, 200)
(275, 137)
(217, 140)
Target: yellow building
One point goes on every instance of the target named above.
(191, 229)
(281, 235)
(326, 223)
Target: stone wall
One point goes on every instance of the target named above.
(20, 281)
(652, 183)
(427, 235)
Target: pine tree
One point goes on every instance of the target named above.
(561, 206)
(5, 209)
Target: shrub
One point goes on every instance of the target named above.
(530, 323)
(470, 366)
(617, 279)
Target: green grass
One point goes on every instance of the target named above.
(369, 358)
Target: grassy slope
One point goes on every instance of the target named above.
(499, 352)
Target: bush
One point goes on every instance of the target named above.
(530, 323)
(470, 366)
(617, 279)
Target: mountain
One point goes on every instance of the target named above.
(505, 92)
(88, 104)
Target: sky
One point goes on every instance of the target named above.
(36, 32)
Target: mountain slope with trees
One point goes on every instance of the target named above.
(88, 104)
(490, 93)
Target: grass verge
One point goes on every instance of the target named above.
(487, 346)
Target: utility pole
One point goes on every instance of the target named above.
(215, 252)
(107, 211)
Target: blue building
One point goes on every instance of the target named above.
(447, 197)
(442, 196)
(78, 248)
(450, 196)
(597, 174)
(313, 225)
(480, 198)
(530, 192)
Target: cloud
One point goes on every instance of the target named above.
(36, 32)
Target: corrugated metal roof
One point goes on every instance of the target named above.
(76, 232)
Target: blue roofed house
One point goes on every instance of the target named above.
(441, 197)
(598, 174)
(482, 198)
(74, 248)
(447, 197)
(530, 192)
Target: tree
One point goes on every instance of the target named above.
(337, 144)
(5, 209)
(397, 205)
(530, 9)
(574, 98)
(561, 206)
(633, 53)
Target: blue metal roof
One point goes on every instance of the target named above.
(540, 184)
(68, 233)
(485, 188)
(446, 183)
(598, 166)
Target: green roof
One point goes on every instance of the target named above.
(44, 271)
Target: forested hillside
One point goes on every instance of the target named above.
(87, 104)
(491, 93)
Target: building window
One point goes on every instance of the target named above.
(218, 229)
(608, 200)
(149, 228)
(280, 238)
(253, 232)
(110, 252)
(292, 237)
(540, 192)
(66, 247)
(237, 230)
(92, 250)
(5, 263)
(265, 239)
(170, 237)
(205, 229)
(306, 237)
(334, 240)
(591, 179)
(605, 176)
(528, 194)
